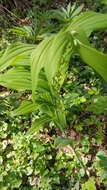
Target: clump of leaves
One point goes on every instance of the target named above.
(65, 15)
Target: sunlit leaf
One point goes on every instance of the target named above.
(24, 108)
(17, 79)
(89, 22)
(14, 51)
(94, 58)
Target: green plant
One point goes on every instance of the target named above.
(65, 15)
(90, 184)
(50, 50)
(26, 32)
(101, 165)
(42, 69)
(103, 160)
(104, 2)
(40, 27)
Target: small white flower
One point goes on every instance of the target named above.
(4, 144)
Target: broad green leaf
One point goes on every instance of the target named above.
(94, 58)
(22, 60)
(24, 108)
(55, 53)
(89, 22)
(14, 50)
(48, 55)
(16, 78)
(62, 141)
(43, 85)
(38, 59)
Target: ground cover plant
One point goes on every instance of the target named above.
(52, 139)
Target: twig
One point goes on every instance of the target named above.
(12, 18)
(12, 14)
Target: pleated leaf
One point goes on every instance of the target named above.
(17, 79)
(89, 22)
(38, 59)
(24, 108)
(94, 58)
(14, 51)
(55, 53)
(48, 55)
(22, 60)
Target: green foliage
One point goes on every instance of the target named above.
(24, 108)
(61, 141)
(95, 59)
(90, 184)
(61, 38)
(17, 78)
(104, 2)
(16, 53)
(47, 142)
(103, 160)
(48, 55)
(98, 105)
(66, 15)
(26, 32)
(31, 161)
